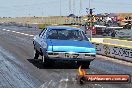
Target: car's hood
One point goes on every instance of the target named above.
(72, 46)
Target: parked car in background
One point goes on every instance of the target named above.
(63, 43)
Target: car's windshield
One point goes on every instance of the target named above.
(63, 34)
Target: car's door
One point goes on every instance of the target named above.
(39, 40)
(43, 41)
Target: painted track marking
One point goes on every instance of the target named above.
(18, 32)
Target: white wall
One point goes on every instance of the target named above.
(114, 51)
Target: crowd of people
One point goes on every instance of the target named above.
(113, 21)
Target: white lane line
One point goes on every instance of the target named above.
(26, 34)
(7, 30)
(3, 29)
(18, 32)
(13, 31)
(31, 35)
(22, 33)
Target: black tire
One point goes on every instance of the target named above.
(47, 62)
(36, 54)
(84, 64)
(44, 60)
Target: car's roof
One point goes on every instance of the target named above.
(63, 27)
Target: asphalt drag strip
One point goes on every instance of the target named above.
(18, 69)
(12, 74)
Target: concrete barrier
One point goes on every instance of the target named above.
(97, 40)
(115, 51)
(112, 41)
(117, 41)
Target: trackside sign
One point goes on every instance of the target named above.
(119, 52)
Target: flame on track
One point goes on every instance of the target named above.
(82, 72)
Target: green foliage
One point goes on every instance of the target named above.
(42, 26)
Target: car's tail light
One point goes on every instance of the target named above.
(56, 53)
(53, 54)
(87, 54)
(50, 53)
(93, 55)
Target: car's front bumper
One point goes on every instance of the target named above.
(72, 56)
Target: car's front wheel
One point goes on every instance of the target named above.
(36, 54)
(45, 60)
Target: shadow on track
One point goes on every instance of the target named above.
(56, 65)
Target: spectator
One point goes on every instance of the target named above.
(113, 33)
(126, 18)
(130, 18)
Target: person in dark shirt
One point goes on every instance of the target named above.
(113, 33)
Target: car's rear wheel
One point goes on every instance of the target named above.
(84, 64)
(36, 54)
(45, 60)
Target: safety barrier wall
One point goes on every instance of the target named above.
(112, 41)
(117, 41)
(31, 25)
(114, 51)
(42, 20)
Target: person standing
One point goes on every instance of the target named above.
(113, 33)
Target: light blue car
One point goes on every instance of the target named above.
(63, 43)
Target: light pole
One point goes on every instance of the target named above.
(60, 7)
(89, 4)
(73, 6)
(69, 6)
(91, 19)
(131, 29)
(80, 7)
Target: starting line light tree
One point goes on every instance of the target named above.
(90, 23)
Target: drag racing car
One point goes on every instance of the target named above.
(63, 43)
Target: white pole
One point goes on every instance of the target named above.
(69, 6)
(131, 29)
(89, 4)
(73, 6)
(90, 22)
(60, 7)
(80, 7)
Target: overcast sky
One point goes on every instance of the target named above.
(16, 8)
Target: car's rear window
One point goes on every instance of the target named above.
(63, 34)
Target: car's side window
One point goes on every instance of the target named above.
(42, 33)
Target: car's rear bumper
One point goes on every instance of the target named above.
(71, 56)
(71, 59)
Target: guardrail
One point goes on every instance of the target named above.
(114, 51)
(117, 41)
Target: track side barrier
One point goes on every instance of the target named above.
(114, 51)
(117, 41)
